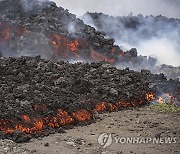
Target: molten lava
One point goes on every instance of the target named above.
(64, 47)
(7, 31)
(38, 123)
(73, 46)
(150, 96)
(100, 57)
(82, 115)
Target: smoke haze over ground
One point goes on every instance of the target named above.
(165, 47)
(169, 8)
(158, 37)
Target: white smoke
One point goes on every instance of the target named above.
(165, 47)
(29, 5)
(169, 8)
(153, 37)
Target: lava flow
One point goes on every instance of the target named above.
(38, 123)
(7, 31)
(64, 47)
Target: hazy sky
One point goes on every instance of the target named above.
(169, 8)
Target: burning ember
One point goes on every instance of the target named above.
(150, 96)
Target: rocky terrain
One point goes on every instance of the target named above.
(133, 30)
(57, 106)
(33, 86)
(38, 95)
(29, 27)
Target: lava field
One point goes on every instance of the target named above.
(41, 92)
(38, 95)
(65, 37)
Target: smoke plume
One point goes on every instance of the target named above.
(158, 37)
(169, 8)
(29, 5)
(163, 45)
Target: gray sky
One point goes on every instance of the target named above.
(169, 8)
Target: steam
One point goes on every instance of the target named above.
(158, 37)
(160, 41)
(162, 49)
(169, 8)
(29, 5)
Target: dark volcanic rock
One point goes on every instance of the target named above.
(46, 17)
(33, 87)
(34, 90)
(32, 27)
(41, 96)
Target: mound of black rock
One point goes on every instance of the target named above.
(35, 87)
(31, 22)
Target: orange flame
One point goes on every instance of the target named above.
(150, 97)
(26, 119)
(160, 100)
(38, 126)
(100, 107)
(64, 117)
(166, 98)
(61, 118)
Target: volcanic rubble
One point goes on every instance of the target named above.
(131, 29)
(28, 27)
(44, 95)
(38, 95)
